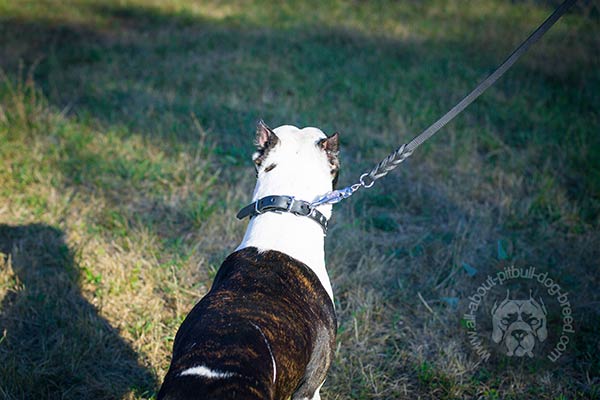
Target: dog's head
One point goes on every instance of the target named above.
(296, 162)
(518, 323)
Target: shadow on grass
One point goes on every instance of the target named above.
(55, 344)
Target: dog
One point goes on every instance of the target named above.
(266, 329)
(518, 323)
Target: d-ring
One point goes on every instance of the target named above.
(362, 180)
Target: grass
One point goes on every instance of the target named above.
(125, 143)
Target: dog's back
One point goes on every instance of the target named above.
(266, 330)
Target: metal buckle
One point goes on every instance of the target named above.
(297, 212)
(290, 204)
(256, 207)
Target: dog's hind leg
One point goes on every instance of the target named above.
(317, 367)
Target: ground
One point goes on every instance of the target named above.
(126, 131)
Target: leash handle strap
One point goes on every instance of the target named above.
(403, 152)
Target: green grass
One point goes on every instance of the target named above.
(125, 142)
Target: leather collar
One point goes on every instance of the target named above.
(284, 204)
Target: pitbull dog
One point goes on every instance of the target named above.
(266, 329)
(518, 323)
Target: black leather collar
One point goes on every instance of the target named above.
(284, 204)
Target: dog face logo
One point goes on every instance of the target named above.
(518, 323)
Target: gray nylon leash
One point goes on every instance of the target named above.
(395, 158)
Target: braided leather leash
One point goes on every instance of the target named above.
(392, 161)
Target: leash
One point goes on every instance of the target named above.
(395, 158)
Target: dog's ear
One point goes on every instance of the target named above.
(265, 141)
(264, 135)
(542, 331)
(497, 333)
(331, 146)
(494, 308)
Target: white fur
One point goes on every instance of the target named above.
(302, 170)
(202, 370)
(317, 395)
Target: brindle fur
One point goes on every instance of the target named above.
(271, 291)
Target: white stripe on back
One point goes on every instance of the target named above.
(205, 372)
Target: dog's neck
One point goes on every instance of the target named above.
(297, 236)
